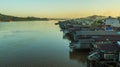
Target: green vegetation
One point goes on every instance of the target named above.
(97, 23)
(14, 18)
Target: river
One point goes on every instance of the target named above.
(36, 44)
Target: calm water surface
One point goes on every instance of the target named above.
(36, 44)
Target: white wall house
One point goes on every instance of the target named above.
(112, 21)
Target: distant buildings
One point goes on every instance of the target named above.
(111, 24)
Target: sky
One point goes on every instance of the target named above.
(60, 8)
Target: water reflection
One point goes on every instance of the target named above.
(78, 55)
(35, 44)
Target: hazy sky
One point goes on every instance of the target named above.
(60, 8)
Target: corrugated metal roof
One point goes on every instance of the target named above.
(108, 47)
(96, 33)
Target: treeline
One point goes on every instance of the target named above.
(14, 18)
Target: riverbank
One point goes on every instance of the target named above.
(102, 38)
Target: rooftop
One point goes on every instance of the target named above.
(96, 33)
(109, 47)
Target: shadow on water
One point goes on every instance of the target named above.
(79, 55)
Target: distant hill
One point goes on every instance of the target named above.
(14, 18)
(95, 17)
(86, 20)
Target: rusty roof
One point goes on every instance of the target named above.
(108, 47)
